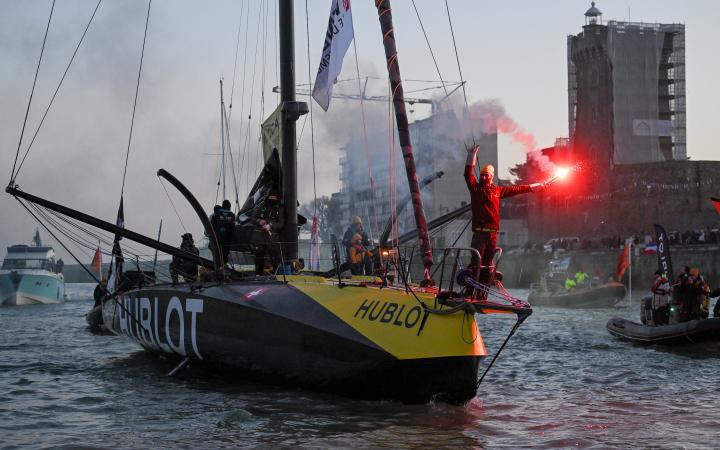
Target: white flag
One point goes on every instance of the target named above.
(337, 40)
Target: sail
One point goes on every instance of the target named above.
(663, 252)
(267, 185)
(270, 130)
(337, 41)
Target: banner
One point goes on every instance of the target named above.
(270, 131)
(314, 246)
(663, 252)
(624, 261)
(716, 203)
(338, 37)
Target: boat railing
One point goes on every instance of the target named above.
(455, 262)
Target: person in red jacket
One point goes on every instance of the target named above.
(485, 204)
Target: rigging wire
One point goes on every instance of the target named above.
(437, 68)
(258, 153)
(277, 54)
(226, 117)
(113, 295)
(237, 48)
(137, 89)
(312, 128)
(32, 91)
(252, 97)
(374, 227)
(457, 58)
(172, 204)
(47, 110)
(242, 94)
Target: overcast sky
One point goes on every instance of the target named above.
(511, 52)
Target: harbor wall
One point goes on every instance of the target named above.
(520, 270)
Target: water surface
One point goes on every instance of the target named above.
(563, 381)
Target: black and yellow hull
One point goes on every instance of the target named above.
(362, 342)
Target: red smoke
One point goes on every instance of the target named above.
(495, 120)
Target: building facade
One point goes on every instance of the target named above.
(439, 145)
(626, 91)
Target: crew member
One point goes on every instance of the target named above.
(188, 268)
(569, 283)
(485, 203)
(268, 220)
(222, 221)
(351, 245)
(100, 292)
(580, 277)
(661, 298)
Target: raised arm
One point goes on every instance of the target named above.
(470, 166)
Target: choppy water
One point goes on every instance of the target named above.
(563, 381)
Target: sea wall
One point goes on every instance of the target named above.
(522, 269)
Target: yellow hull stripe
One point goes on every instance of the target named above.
(393, 320)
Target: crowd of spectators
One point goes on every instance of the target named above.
(643, 239)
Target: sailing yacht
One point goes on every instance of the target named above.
(30, 275)
(359, 337)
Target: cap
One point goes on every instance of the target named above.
(488, 169)
(356, 219)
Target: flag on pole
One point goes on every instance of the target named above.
(663, 252)
(314, 246)
(117, 260)
(337, 41)
(96, 264)
(716, 203)
(624, 261)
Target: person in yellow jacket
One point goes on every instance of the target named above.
(580, 278)
(570, 284)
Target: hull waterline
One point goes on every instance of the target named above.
(18, 289)
(673, 334)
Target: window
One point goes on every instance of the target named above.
(15, 264)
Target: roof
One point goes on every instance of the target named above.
(593, 11)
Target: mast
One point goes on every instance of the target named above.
(291, 110)
(386, 24)
(222, 136)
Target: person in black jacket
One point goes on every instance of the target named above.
(223, 221)
(100, 291)
(184, 266)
